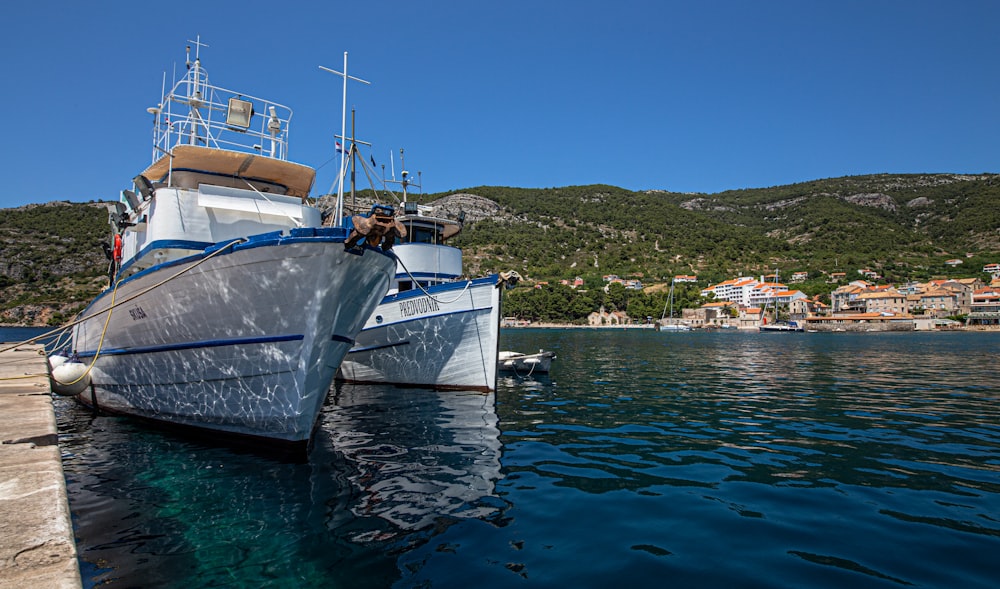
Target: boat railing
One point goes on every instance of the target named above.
(195, 112)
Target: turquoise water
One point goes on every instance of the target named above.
(645, 459)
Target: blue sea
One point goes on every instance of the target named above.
(644, 459)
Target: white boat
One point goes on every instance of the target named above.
(232, 306)
(778, 326)
(669, 323)
(782, 326)
(433, 328)
(526, 364)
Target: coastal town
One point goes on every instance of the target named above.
(753, 303)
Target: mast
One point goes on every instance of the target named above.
(343, 131)
(670, 301)
(672, 281)
(405, 183)
(353, 158)
(194, 89)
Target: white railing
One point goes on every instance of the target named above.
(194, 112)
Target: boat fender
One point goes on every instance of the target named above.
(57, 359)
(68, 376)
(117, 250)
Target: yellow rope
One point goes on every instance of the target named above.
(100, 342)
(24, 376)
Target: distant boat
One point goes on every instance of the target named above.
(782, 326)
(778, 326)
(433, 328)
(526, 364)
(230, 305)
(668, 323)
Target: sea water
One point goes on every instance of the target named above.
(643, 459)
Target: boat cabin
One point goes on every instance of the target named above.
(424, 258)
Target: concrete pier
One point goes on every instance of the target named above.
(36, 535)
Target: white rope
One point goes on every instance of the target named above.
(421, 287)
(264, 196)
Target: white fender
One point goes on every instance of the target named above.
(56, 359)
(69, 378)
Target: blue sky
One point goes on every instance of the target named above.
(690, 96)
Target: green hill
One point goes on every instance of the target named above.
(902, 226)
(51, 261)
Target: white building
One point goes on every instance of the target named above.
(750, 292)
(737, 290)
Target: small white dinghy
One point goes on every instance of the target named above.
(525, 363)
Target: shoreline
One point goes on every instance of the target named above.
(653, 327)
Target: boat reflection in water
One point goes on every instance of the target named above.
(388, 468)
(420, 458)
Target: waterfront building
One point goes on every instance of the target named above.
(715, 314)
(935, 302)
(751, 318)
(736, 290)
(603, 317)
(845, 298)
(861, 322)
(985, 307)
(883, 300)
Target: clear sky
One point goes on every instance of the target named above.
(694, 96)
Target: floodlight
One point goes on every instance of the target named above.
(240, 112)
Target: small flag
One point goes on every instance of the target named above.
(372, 157)
(340, 148)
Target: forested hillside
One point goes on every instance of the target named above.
(51, 261)
(902, 226)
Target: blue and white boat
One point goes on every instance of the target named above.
(231, 305)
(433, 328)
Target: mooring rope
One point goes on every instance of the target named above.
(468, 283)
(100, 343)
(518, 374)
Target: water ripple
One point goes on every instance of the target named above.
(903, 431)
(643, 459)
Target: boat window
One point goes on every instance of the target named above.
(424, 235)
(405, 285)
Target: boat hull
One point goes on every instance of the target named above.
(526, 364)
(245, 341)
(782, 327)
(443, 338)
(673, 327)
